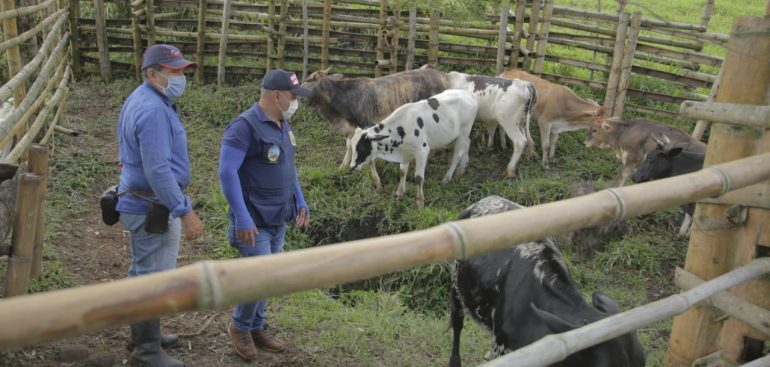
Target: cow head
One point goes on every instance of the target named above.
(363, 147)
(657, 164)
(312, 80)
(623, 351)
(600, 132)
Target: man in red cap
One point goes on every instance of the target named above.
(155, 169)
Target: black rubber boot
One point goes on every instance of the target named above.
(148, 352)
(166, 342)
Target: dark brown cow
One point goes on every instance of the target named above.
(558, 109)
(350, 103)
(632, 140)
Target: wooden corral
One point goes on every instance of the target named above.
(233, 40)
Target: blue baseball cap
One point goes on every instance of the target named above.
(166, 56)
(278, 79)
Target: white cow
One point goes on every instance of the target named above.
(413, 129)
(508, 103)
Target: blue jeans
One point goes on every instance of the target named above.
(151, 252)
(269, 240)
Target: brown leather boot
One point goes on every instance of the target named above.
(267, 342)
(242, 343)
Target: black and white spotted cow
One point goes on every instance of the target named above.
(504, 102)
(524, 293)
(413, 130)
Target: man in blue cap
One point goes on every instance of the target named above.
(259, 180)
(155, 169)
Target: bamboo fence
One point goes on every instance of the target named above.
(39, 87)
(370, 38)
(218, 284)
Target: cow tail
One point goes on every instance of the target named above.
(530, 107)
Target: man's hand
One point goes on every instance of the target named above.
(192, 226)
(303, 218)
(247, 236)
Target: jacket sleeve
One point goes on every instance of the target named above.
(230, 159)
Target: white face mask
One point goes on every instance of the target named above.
(293, 106)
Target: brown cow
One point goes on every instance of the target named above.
(350, 103)
(633, 139)
(558, 109)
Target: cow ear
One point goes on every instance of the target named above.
(554, 323)
(378, 137)
(605, 303)
(672, 150)
(607, 126)
(326, 71)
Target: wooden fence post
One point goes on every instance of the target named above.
(381, 39)
(150, 19)
(702, 125)
(74, 6)
(270, 36)
(533, 19)
(395, 34)
(12, 54)
(628, 63)
(412, 36)
(718, 243)
(325, 34)
(305, 39)
(101, 41)
(517, 31)
(502, 37)
(617, 60)
(38, 164)
(621, 6)
(223, 43)
(136, 36)
(200, 46)
(433, 40)
(23, 236)
(284, 18)
(542, 42)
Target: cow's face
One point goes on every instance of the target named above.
(314, 78)
(363, 147)
(657, 165)
(599, 134)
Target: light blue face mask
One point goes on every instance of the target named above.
(176, 85)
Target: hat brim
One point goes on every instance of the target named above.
(301, 91)
(179, 64)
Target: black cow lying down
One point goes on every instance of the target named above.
(525, 293)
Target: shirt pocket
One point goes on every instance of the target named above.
(271, 151)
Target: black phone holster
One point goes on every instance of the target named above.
(157, 218)
(108, 203)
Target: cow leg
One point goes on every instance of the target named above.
(456, 319)
(503, 140)
(348, 153)
(402, 182)
(684, 230)
(419, 175)
(460, 152)
(375, 176)
(519, 144)
(552, 148)
(545, 141)
(491, 127)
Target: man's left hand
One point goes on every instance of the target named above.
(303, 218)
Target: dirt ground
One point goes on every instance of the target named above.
(93, 252)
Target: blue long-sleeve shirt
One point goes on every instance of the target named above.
(153, 153)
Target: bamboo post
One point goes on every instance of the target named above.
(381, 34)
(283, 20)
(101, 41)
(412, 36)
(517, 32)
(74, 14)
(621, 6)
(23, 236)
(270, 36)
(223, 43)
(325, 34)
(628, 63)
(702, 125)
(305, 39)
(502, 37)
(433, 38)
(13, 54)
(593, 54)
(149, 14)
(136, 39)
(394, 40)
(542, 42)
(617, 60)
(533, 19)
(218, 284)
(718, 244)
(200, 45)
(38, 164)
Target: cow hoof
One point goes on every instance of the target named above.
(420, 203)
(510, 174)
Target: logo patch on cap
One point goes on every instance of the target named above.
(293, 79)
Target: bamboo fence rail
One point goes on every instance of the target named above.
(217, 284)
